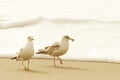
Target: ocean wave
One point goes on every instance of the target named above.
(20, 23)
(83, 21)
(67, 20)
(30, 21)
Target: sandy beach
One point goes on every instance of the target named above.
(42, 69)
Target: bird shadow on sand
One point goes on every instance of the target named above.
(67, 68)
(34, 71)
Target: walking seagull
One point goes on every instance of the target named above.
(57, 49)
(25, 53)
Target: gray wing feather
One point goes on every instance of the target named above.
(20, 53)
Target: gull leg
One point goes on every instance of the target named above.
(23, 64)
(28, 65)
(60, 60)
(54, 62)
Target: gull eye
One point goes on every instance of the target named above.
(67, 37)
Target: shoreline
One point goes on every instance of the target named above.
(79, 60)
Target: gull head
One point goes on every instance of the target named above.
(30, 38)
(68, 38)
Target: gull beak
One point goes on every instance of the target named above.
(71, 39)
(32, 38)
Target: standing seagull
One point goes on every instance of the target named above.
(57, 49)
(25, 53)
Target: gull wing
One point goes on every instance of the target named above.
(53, 47)
(20, 53)
(49, 49)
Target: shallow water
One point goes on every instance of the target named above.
(92, 40)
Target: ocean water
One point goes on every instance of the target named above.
(93, 40)
(95, 27)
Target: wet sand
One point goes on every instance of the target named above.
(43, 69)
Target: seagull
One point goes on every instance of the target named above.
(25, 53)
(57, 49)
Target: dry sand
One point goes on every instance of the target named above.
(42, 69)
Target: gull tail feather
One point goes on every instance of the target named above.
(14, 58)
(41, 51)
